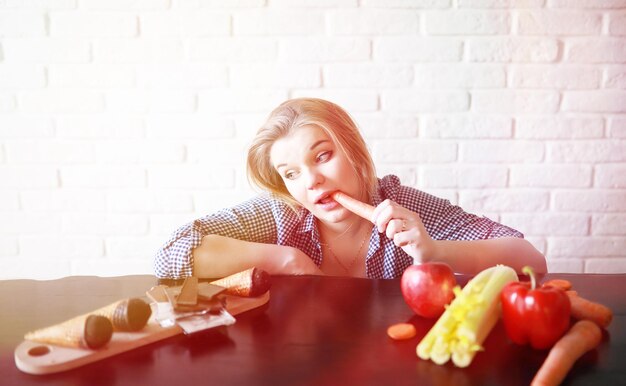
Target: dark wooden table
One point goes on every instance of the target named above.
(314, 331)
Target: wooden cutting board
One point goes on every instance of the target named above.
(38, 358)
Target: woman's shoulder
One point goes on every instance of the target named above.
(279, 209)
(262, 211)
(261, 203)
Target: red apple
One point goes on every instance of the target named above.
(427, 288)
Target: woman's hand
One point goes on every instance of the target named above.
(406, 229)
(293, 261)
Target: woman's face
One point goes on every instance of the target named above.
(312, 167)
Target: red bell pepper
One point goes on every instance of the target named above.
(536, 315)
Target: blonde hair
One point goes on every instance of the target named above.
(296, 113)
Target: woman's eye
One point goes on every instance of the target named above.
(290, 175)
(324, 156)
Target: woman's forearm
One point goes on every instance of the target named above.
(474, 256)
(219, 256)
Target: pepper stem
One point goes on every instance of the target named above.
(529, 271)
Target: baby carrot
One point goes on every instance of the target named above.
(401, 331)
(582, 337)
(563, 284)
(583, 309)
(355, 206)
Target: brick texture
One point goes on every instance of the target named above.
(121, 120)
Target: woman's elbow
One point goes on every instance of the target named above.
(533, 257)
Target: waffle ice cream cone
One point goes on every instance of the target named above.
(87, 331)
(249, 283)
(94, 329)
(126, 315)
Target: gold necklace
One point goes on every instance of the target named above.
(349, 267)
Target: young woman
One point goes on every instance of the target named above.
(308, 149)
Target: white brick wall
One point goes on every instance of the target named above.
(121, 120)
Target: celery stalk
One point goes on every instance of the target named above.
(460, 331)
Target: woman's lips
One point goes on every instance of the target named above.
(325, 199)
(326, 203)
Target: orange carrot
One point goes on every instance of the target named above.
(583, 309)
(582, 337)
(401, 331)
(355, 206)
(563, 284)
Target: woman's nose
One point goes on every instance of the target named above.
(313, 178)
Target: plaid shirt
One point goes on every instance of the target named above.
(264, 219)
